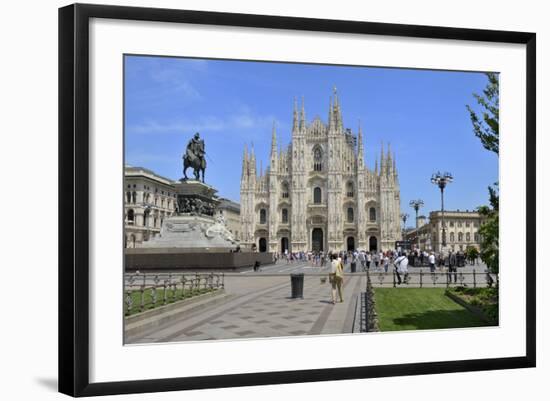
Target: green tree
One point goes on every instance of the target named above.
(486, 125)
(486, 128)
(489, 231)
(472, 253)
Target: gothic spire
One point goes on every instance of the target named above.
(389, 160)
(303, 116)
(273, 140)
(339, 124)
(295, 124)
(382, 160)
(245, 161)
(330, 116)
(360, 149)
(252, 161)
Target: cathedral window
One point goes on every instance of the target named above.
(468, 237)
(476, 237)
(284, 191)
(350, 215)
(372, 214)
(349, 190)
(317, 159)
(284, 216)
(134, 195)
(460, 237)
(263, 216)
(128, 197)
(452, 237)
(317, 195)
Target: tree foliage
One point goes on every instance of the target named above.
(489, 231)
(486, 125)
(472, 253)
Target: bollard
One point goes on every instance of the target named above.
(297, 285)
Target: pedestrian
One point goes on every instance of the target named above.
(386, 262)
(336, 278)
(452, 266)
(431, 261)
(368, 260)
(401, 267)
(376, 260)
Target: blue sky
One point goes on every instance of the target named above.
(421, 113)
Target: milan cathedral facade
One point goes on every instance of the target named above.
(318, 194)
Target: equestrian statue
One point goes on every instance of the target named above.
(195, 157)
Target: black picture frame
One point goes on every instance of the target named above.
(74, 198)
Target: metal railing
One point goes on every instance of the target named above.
(148, 290)
(438, 278)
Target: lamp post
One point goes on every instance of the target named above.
(416, 205)
(441, 180)
(404, 217)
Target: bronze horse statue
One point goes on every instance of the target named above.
(198, 165)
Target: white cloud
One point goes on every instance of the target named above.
(243, 120)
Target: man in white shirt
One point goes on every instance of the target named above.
(401, 267)
(431, 260)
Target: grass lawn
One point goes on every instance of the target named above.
(148, 299)
(420, 308)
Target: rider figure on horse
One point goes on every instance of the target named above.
(195, 148)
(195, 156)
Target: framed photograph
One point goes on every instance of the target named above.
(252, 199)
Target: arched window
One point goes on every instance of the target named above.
(452, 224)
(468, 237)
(349, 189)
(134, 196)
(128, 197)
(263, 216)
(452, 237)
(350, 215)
(460, 237)
(162, 203)
(284, 190)
(317, 195)
(284, 216)
(131, 216)
(317, 159)
(372, 214)
(476, 237)
(146, 218)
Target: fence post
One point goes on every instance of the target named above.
(474, 278)
(420, 278)
(448, 276)
(394, 283)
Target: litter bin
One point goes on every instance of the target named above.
(353, 266)
(297, 285)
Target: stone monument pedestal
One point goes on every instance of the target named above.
(195, 238)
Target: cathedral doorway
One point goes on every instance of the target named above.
(263, 245)
(373, 244)
(317, 240)
(351, 244)
(284, 244)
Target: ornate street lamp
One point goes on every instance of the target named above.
(416, 205)
(441, 180)
(404, 217)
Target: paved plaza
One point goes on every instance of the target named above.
(259, 304)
